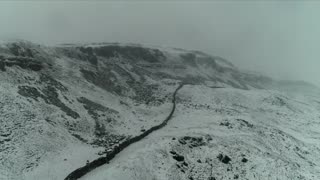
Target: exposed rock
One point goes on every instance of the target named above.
(224, 158)
(185, 163)
(244, 160)
(22, 62)
(173, 152)
(236, 176)
(50, 95)
(130, 52)
(178, 157)
(227, 124)
(245, 122)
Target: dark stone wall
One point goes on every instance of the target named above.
(103, 160)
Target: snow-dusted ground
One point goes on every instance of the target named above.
(266, 134)
(58, 165)
(61, 106)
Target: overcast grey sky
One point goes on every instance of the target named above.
(281, 39)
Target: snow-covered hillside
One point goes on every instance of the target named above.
(227, 133)
(65, 105)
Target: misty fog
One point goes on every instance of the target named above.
(278, 39)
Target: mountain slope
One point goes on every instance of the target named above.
(227, 133)
(64, 105)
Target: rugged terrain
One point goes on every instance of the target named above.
(63, 106)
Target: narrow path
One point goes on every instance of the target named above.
(76, 174)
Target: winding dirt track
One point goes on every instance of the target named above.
(76, 174)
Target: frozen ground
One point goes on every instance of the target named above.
(266, 135)
(62, 106)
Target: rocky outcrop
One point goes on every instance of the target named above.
(22, 62)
